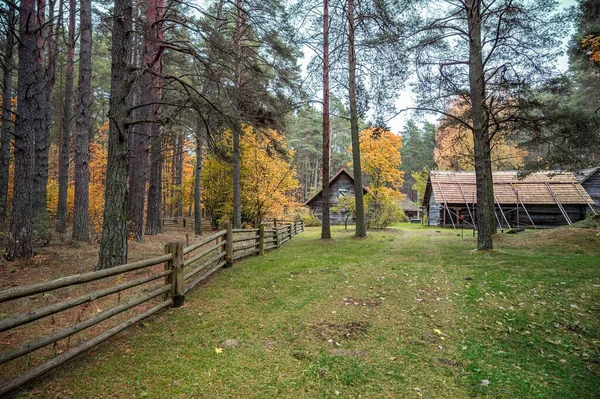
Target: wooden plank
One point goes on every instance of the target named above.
(197, 257)
(204, 241)
(32, 289)
(65, 332)
(204, 265)
(64, 357)
(32, 315)
(204, 275)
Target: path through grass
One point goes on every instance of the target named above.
(405, 313)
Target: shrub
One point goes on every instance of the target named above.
(383, 211)
(306, 215)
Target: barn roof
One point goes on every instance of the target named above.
(585, 174)
(333, 179)
(537, 188)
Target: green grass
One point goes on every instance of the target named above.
(410, 313)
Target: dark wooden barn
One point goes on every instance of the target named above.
(540, 200)
(340, 185)
(590, 181)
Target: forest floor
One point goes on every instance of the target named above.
(409, 312)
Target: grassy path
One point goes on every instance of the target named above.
(405, 313)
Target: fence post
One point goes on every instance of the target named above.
(187, 240)
(229, 245)
(163, 222)
(176, 279)
(290, 232)
(183, 222)
(261, 245)
(277, 237)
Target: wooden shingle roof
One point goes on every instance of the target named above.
(537, 188)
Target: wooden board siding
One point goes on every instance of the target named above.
(592, 186)
(342, 182)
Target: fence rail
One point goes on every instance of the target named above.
(184, 268)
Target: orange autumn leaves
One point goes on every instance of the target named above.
(591, 43)
(267, 179)
(455, 148)
(381, 161)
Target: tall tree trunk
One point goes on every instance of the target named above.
(237, 130)
(113, 246)
(154, 211)
(20, 235)
(486, 218)
(83, 125)
(154, 208)
(42, 129)
(172, 210)
(326, 225)
(198, 183)
(7, 74)
(179, 176)
(361, 227)
(65, 144)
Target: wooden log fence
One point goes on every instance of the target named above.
(184, 269)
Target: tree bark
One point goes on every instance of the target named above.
(154, 207)
(42, 124)
(20, 235)
(361, 227)
(113, 246)
(65, 144)
(486, 220)
(83, 125)
(198, 184)
(236, 131)
(326, 225)
(7, 74)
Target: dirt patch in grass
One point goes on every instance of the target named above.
(331, 331)
(371, 303)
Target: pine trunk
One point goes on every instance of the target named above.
(83, 126)
(113, 246)
(65, 144)
(5, 132)
(198, 184)
(486, 218)
(42, 124)
(326, 225)
(20, 235)
(361, 227)
(236, 131)
(154, 208)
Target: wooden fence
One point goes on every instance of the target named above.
(184, 268)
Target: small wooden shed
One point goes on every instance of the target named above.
(543, 199)
(590, 181)
(340, 185)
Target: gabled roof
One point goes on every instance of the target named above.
(585, 174)
(408, 205)
(537, 188)
(333, 179)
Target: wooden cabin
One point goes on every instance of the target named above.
(340, 185)
(411, 210)
(540, 200)
(590, 181)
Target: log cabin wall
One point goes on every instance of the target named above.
(340, 185)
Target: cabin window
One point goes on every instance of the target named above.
(342, 192)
